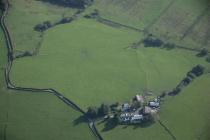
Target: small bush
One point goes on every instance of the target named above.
(169, 46)
(208, 58)
(202, 53)
(66, 20)
(43, 26)
(152, 42)
(198, 70)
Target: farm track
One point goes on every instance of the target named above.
(11, 86)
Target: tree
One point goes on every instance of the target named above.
(198, 70)
(203, 52)
(208, 59)
(70, 3)
(3, 4)
(92, 112)
(152, 42)
(136, 104)
(103, 110)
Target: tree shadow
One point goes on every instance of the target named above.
(143, 124)
(109, 125)
(79, 120)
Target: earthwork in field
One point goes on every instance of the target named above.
(97, 54)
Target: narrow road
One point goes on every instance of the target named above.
(11, 86)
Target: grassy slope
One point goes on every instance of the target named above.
(180, 18)
(25, 14)
(88, 63)
(169, 20)
(32, 116)
(136, 13)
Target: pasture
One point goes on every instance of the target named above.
(90, 63)
(186, 116)
(25, 14)
(181, 22)
(32, 116)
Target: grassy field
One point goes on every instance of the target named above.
(134, 132)
(136, 13)
(32, 116)
(186, 116)
(189, 111)
(88, 62)
(178, 21)
(170, 20)
(91, 63)
(25, 14)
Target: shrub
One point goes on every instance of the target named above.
(198, 70)
(202, 53)
(175, 91)
(3, 4)
(169, 46)
(208, 58)
(43, 26)
(186, 80)
(70, 3)
(66, 20)
(152, 42)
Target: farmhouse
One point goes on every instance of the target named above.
(132, 114)
(130, 118)
(154, 104)
(137, 118)
(126, 107)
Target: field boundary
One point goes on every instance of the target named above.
(197, 20)
(11, 86)
(167, 130)
(158, 17)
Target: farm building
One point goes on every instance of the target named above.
(154, 104)
(126, 107)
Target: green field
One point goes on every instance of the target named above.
(25, 14)
(176, 21)
(91, 63)
(32, 116)
(88, 62)
(189, 111)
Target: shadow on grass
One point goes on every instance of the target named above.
(112, 123)
(109, 125)
(79, 120)
(143, 124)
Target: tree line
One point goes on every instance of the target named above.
(70, 3)
(3, 4)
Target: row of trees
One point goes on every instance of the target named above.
(195, 72)
(204, 52)
(152, 42)
(70, 3)
(47, 24)
(94, 112)
(2, 4)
